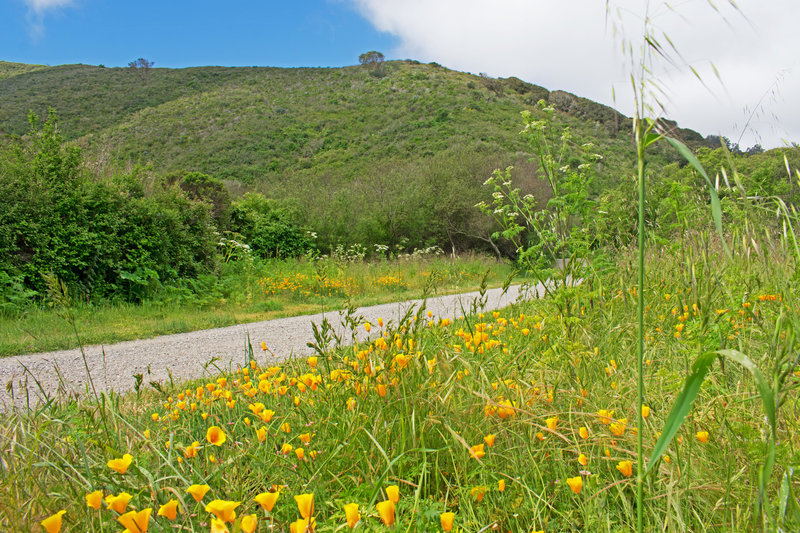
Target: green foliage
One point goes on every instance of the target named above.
(98, 240)
(209, 190)
(270, 228)
(551, 240)
(374, 61)
(321, 137)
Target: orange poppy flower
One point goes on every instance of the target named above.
(198, 491)
(121, 465)
(52, 524)
(575, 483)
(136, 521)
(305, 504)
(216, 436)
(351, 514)
(386, 511)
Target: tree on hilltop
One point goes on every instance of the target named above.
(142, 68)
(372, 60)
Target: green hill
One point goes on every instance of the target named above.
(248, 123)
(367, 156)
(9, 70)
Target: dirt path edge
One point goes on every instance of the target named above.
(30, 379)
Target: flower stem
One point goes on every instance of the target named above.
(640, 147)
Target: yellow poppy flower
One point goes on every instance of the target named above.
(477, 451)
(446, 520)
(121, 465)
(191, 451)
(304, 525)
(386, 511)
(702, 436)
(305, 504)
(489, 440)
(393, 493)
(300, 453)
(52, 524)
(501, 485)
(118, 503)
(218, 526)
(478, 492)
(583, 432)
(261, 433)
(582, 459)
(267, 500)
(249, 523)
(198, 491)
(223, 509)
(605, 416)
(94, 499)
(169, 510)
(552, 423)
(645, 411)
(626, 468)
(618, 427)
(351, 514)
(136, 521)
(216, 436)
(575, 483)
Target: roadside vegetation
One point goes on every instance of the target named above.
(250, 292)
(520, 420)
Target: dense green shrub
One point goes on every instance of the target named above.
(207, 189)
(271, 228)
(103, 240)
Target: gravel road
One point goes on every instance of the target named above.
(29, 379)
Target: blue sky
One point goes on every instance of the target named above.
(179, 34)
(746, 52)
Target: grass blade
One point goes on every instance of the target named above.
(764, 390)
(683, 404)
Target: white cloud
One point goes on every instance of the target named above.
(575, 46)
(36, 13)
(40, 6)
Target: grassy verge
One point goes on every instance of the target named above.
(249, 293)
(510, 421)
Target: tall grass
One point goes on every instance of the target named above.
(412, 406)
